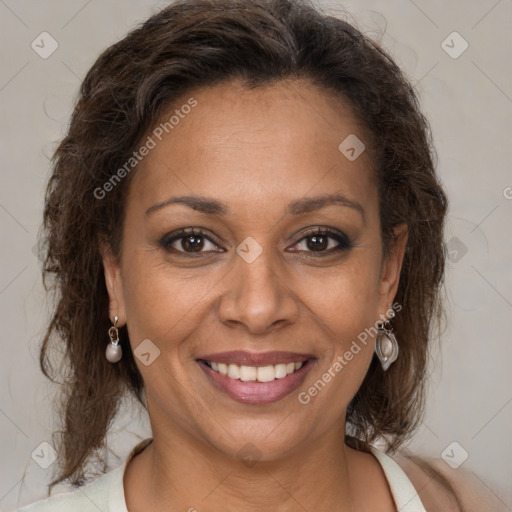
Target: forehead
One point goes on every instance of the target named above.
(258, 145)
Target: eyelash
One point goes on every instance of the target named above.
(344, 243)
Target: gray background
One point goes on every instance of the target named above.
(468, 101)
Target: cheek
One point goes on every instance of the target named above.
(347, 307)
(348, 298)
(348, 321)
(162, 303)
(345, 315)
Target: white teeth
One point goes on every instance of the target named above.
(256, 373)
(266, 374)
(234, 371)
(281, 371)
(248, 373)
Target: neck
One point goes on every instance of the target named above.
(187, 475)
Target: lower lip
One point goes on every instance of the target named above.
(257, 392)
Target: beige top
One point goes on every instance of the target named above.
(106, 493)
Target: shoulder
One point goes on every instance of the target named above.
(435, 487)
(104, 493)
(100, 494)
(73, 500)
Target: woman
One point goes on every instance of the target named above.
(246, 232)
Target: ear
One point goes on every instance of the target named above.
(114, 283)
(391, 266)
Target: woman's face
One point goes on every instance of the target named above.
(253, 279)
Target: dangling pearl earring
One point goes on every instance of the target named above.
(114, 352)
(386, 346)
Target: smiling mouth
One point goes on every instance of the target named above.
(267, 373)
(256, 377)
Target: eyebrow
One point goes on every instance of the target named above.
(212, 206)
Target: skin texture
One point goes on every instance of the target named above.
(256, 151)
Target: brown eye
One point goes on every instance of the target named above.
(325, 241)
(188, 241)
(193, 243)
(317, 242)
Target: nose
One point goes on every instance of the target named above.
(258, 296)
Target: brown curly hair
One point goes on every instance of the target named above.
(199, 43)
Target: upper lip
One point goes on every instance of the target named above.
(243, 358)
